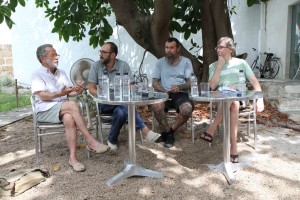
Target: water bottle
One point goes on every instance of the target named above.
(241, 82)
(194, 86)
(118, 87)
(105, 86)
(126, 87)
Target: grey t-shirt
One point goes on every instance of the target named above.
(172, 75)
(98, 69)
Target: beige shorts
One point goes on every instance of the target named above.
(51, 115)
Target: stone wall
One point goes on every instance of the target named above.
(6, 61)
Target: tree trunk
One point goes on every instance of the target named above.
(151, 32)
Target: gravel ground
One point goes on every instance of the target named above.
(273, 172)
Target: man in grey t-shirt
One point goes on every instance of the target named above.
(172, 75)
(109, 64)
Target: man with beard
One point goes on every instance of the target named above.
(110, 65)
(172, 75)
(51, 88)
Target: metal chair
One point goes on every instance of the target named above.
(104, 120)
(245, 115)
(43, 129)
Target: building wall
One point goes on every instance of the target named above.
(6, 61)
(33, 30)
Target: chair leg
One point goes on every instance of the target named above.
(254, 124)
(37, 150)
(192, 127)
(141, 134)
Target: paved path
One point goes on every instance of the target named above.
(14, 115)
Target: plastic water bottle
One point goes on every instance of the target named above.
(241, 82)
(105, 86)
(194, 86)
(118, 87)
(126, 87)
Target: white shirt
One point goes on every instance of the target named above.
(44, 80)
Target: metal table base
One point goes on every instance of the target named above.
(131, 168)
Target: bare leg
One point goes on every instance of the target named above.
(234, 117)
(160, 116)
(185, 111)
(71, 108)
(218, 120)
(71, 136)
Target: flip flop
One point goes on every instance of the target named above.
(207, 137)
(234, 158)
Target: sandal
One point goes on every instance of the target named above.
(234, 158)
(207, 137)
(77, 167)
(101, 148)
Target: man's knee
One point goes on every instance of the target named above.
(120, 114)
(186, 109)
(68, 120)
(157, 107)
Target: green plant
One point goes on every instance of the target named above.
(9, 101)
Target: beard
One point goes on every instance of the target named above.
(171, 58)
(104, 61)
(53, 64)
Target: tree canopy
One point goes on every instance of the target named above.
(148, 22)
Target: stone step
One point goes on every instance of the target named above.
(283, 94)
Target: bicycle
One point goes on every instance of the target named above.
(270, 68)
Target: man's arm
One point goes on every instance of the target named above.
(186, 85)
(93, 89)
(52, 95)
(156, 85)
(255, 84)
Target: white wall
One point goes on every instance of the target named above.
(32, 30)
(278, 33)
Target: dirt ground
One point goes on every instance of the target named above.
(272, 171)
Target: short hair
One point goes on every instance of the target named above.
(229, 43)
(41, 51)
(172, 39)
(113, 47)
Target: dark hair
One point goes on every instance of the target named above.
(172, 39)
(41, 51)
(113, 47)
(229, 43)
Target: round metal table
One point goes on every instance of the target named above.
(131, 168)
(226, 167)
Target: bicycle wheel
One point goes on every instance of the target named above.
(271, 69)
(253, 66)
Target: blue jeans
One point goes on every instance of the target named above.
(120, 115)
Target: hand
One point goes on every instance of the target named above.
(221, 61)
(175, 88)
(66, 91)
(260, 105)
(79, 88)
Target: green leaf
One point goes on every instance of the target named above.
(59, 22)
(66, 36)
(9, 22)
(1, 18)
(73, 8)
(22, 2)
(13, 4)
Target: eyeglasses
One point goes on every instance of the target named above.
(220, 48)
(53, 55)
(103, 52)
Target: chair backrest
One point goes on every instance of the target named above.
(32, 100)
